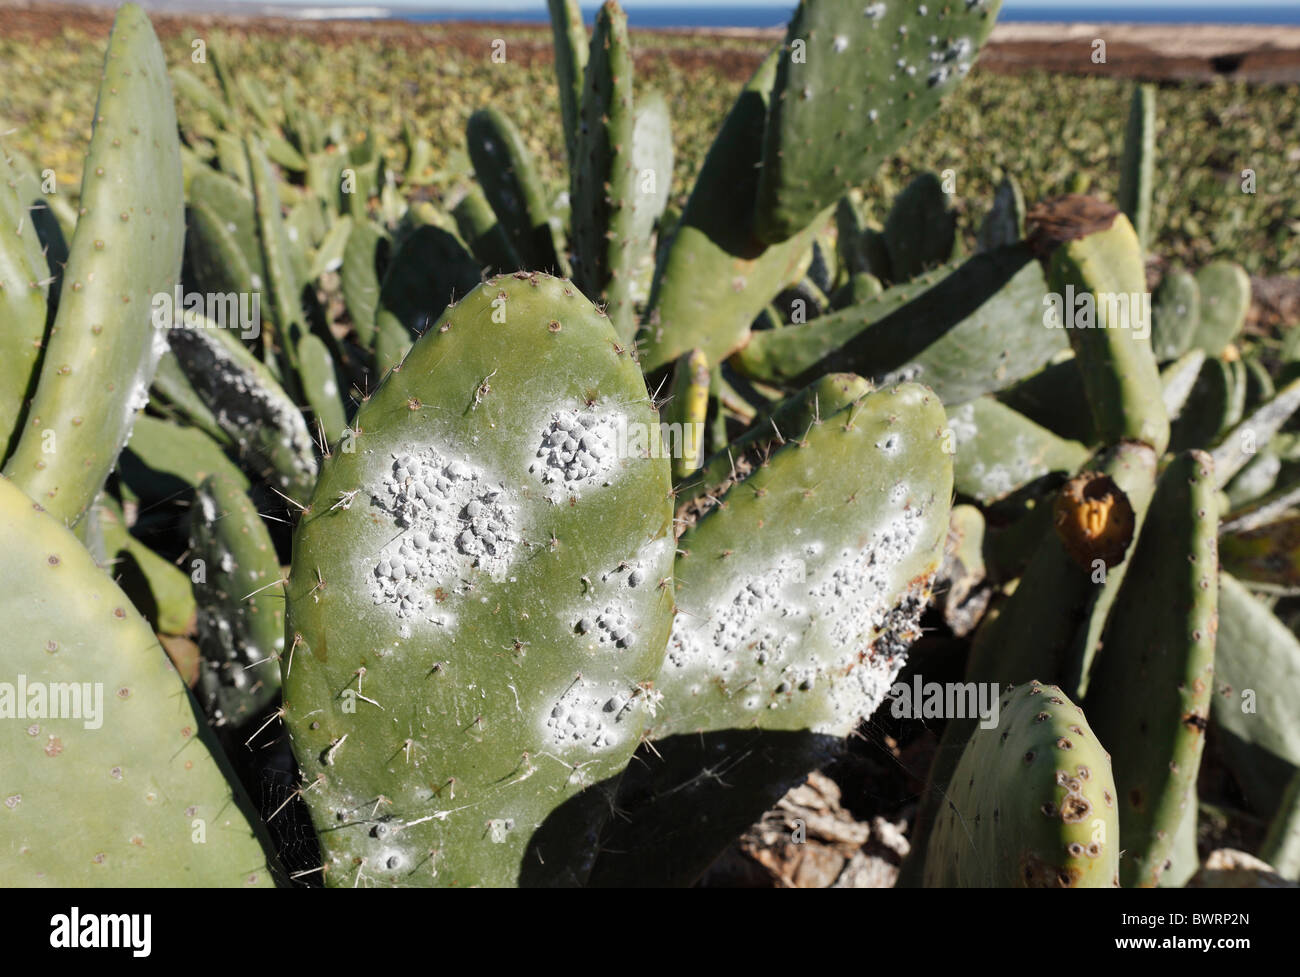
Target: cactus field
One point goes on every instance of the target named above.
(539, 458)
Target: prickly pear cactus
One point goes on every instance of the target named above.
(854, 81)
(571, 49)
(687, 408)
(510, 181)
(799, 592)
(606, 242)
(1224, 290)
(24, 295)
(1032, 803)
(1137, 170)
(241, 603)
(480, 600)
(126, 251)
(715, 243)
(253, 410)
(98, 719)
(1095, 251)
(1149, 696)
(809, 574)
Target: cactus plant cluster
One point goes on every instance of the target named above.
(1108, 583)
(404, 466)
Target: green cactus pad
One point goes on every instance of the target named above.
(1264, 506)
(328, 255)
(510, 182)
(861, 248)
(1032, 803)
(320, 385)
(1265, 556)
(1175, 315)
(265, 425)
(855, 81)
(920, 229)
(798, 595)
(24, 199)
(785, 356)
(282, 153)
(214, 260)
(1178, 381)
(163, 459)
(686, 412)
(175, 399)
(429, 272)
(189, 87)
(1254, 484)
(1207, 407)
(1184, 859)
(283, 288)
(305, 224)
(240, 601)
(824, 270)
(1040, 628)
(715, 276)
(1150, 688)
(479, 599)
(24, 293)
(1000, 451)
(571, 48)
(1224, 290)
(1005, 222)
(325, 178)
(1101, 261)
(1259, 382)
(231, 205)
(483, 233)
(821, 555)
(1237, 394)
(964, 571)
(123, 787)
(652, 165)
(1281, 846)
(360, 176)
(1054, 398)
(126, 251)
(232, 158)
(365, 259)
(788, 420)
(1138, 168)
(1253, 433)
(1257, 683)
(973, 332)
(862, 287)
(606, 246)
(159, 591)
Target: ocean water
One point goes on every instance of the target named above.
(705, 15)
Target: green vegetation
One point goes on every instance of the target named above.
(548, 537)
(1053, 132)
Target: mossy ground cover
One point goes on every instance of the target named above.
(1054, 132)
